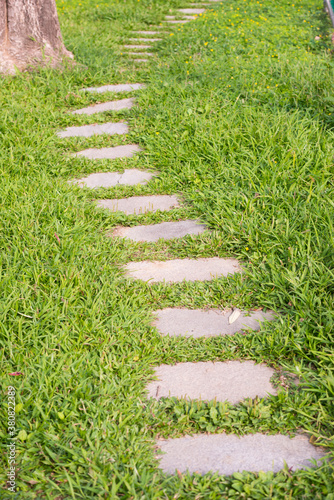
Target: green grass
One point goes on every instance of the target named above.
(238, 118)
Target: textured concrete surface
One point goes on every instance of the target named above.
(106, 106)
(147, 32)
(129, 177)
(228, 453)
(173, 271)
(183, 17)
(230, 381)
(140, 204)
(192, 11)
(149, 54)
(145, 40)
(95, 129)
(137, 46)
(165, 230)
(122, 87)
(110, 153)
(201, 323)
(177, 22)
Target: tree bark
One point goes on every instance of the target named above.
(29, 35)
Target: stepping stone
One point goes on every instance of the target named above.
(110, 153)
(95, 129)
(165, 230)
(122, 87)
(200, 323)
(137, 46)
(177, 270)
(230, 381)
(176, 22)
(140, 54)
(130, 177)
(192, 11)
(106, 106)
(147, 32)
(140, 60)
(145, 40)
(140, 204)
(185, 17)
(228, 453)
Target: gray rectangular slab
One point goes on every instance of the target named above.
(173, 271)
(137, 46)
(95, 129)
(228, 453)
(192, 11)
(140, 204)
(122, 87)
(140, 60)
(176, 22)
(110, 153)
(165, 230)
(147, 32)
(145, 40)
(184, 17)
(149, 54)
(105, 106)
(200, 323)
(129, 177)
(230, 381)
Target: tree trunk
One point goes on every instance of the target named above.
(29, 35)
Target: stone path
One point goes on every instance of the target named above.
(146, 33)
(165, 230)
(230, 381)
(110, 153)
(122, 87)
(228, 453)
(140, 204)
(129, 177)
(174, 271)
(95, 129)
(106, 106)
(201, 323)
(192, 11)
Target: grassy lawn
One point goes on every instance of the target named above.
(238, 118)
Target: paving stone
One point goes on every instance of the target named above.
(192, 11)
(150, 54)
(200, 323)
(140, 204)
(110, 153)
(165, 230)
(147, 32)
(176, 22)
(228, 453)
(122, 87)
(95, 129)
(174, 271)
(140, 60)
(145, 40)
(230, 381)
(106, 106)
(184, 17)
(130, 177)
(137, 46)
